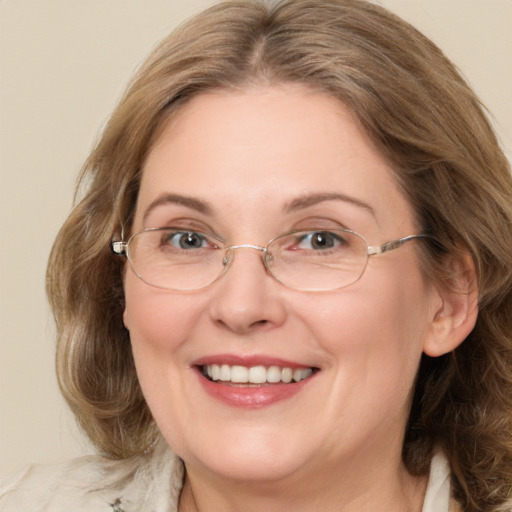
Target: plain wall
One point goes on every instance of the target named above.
(63, 66)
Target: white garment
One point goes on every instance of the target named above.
(437, 497)
(149, 483)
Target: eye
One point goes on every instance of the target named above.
(185, 240)
(320, 240)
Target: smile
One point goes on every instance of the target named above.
(257, 375)
(253, 381)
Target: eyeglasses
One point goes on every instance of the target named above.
(174, 258)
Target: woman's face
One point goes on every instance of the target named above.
(248, 166)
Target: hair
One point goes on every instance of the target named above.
(425, 120)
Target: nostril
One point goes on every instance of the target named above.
(242, 327)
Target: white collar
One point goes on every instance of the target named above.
(437, 497)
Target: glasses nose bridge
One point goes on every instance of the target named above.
(229, 252)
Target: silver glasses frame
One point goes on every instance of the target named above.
(120, 248)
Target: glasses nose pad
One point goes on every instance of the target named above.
(228, 258)
(268, 258)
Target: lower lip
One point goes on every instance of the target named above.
(251, 397)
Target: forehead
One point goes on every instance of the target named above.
(267, 147)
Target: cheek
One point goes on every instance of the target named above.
(157, 318)
(358, 320)
(160, 323)
(374, 330)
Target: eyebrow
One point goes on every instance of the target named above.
(309, 200)
(299, 203)
(187, 201)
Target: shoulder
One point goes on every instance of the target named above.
(72, 485)
(97, 484)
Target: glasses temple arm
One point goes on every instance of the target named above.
(394, 244)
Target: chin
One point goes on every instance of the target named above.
(246, 456)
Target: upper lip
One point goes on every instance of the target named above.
(249, 361)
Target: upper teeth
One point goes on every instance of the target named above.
(255, 374)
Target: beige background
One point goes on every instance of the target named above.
(63, 65)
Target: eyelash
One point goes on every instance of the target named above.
(313, 224)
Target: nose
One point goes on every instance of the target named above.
(247, 298)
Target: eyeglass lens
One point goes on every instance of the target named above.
(178, 259)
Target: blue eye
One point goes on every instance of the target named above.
(185, 240)
(321, 240)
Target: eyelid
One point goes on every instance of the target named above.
(310, 224)
(186, 224)
(319, 224)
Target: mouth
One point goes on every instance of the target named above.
(253, 382)
(255, 375)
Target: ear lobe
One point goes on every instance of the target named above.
(457, 310)
(126, 319)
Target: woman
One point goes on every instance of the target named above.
(288, 282)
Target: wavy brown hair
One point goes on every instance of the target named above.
(425, 120)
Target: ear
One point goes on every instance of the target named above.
(456, 309)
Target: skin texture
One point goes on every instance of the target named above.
(334, 445)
